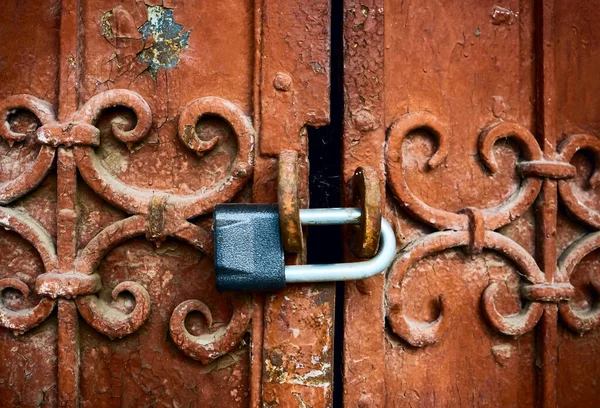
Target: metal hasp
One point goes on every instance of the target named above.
(249, 254)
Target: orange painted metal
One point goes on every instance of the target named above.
(107, 291)
(489, 160)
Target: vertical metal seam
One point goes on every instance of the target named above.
(546, 333)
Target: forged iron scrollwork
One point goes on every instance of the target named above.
(22, 320)
(474, 228)
(580, 320)
(422, 334)
(136, 200)
(153, 214)
(31, 177)
(495, 217)
(212, 344)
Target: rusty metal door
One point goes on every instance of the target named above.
(482, 119)
(122, 124)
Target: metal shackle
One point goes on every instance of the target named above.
(342, 271)
(249, 254)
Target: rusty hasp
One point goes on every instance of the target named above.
(288, 199)
(367, 197)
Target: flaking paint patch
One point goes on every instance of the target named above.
(166, 38)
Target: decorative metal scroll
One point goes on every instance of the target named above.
(153, 214)
(474, 228)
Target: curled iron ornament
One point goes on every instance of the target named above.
(33, 176)
(136, 200)
(97, 313)
(494, 217)
(100, 315)
(425, 333)
(579, 320)
(567, 150)
(22, 320)
(157, 222)
(211, 345)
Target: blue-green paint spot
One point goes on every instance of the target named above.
(168, 40)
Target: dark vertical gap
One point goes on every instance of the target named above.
(324, 244)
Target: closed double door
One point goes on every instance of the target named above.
(123, 124)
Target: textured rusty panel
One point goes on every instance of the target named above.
(298, 343)
(27, 362)
(297, 352)
(294, 72)
(28, 65)
(468, 67)
(470, 70)
(216, 61)
(171, 55)
(153, 159)
(577, 56)
(364, 135)
(146, 368)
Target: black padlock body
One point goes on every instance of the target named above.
(248, 251)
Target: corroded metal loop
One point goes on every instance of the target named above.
(121, 231)
(19, 321)
(137, 200)
(476, 230)
(198, 108)
(547, 169)
(422, 334)
(110, 321)
(68, 134)
(29, 179)
(567, 150)
(417, 333)
(579, 320)
(23, 320)
(494, 217)
(503, 130)
(548, 292)
(288, 199)
(67, 285)
(367, 196)
(512, 325)
(217, 341)
(90, 113)
(156, 219)
(41, 109)
(99, 314)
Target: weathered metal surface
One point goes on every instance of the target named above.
(28, 362)
(297, 354)
(576, 52)
(288, 200)
(158, 110)
(485, 135)
(364, 360)
(367, 197)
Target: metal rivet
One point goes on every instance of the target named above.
(282, 82)
(364, 121)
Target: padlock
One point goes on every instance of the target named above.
(248, 251)
(249, 254)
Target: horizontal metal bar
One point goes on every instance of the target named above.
(329, 216)
(345, 271)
